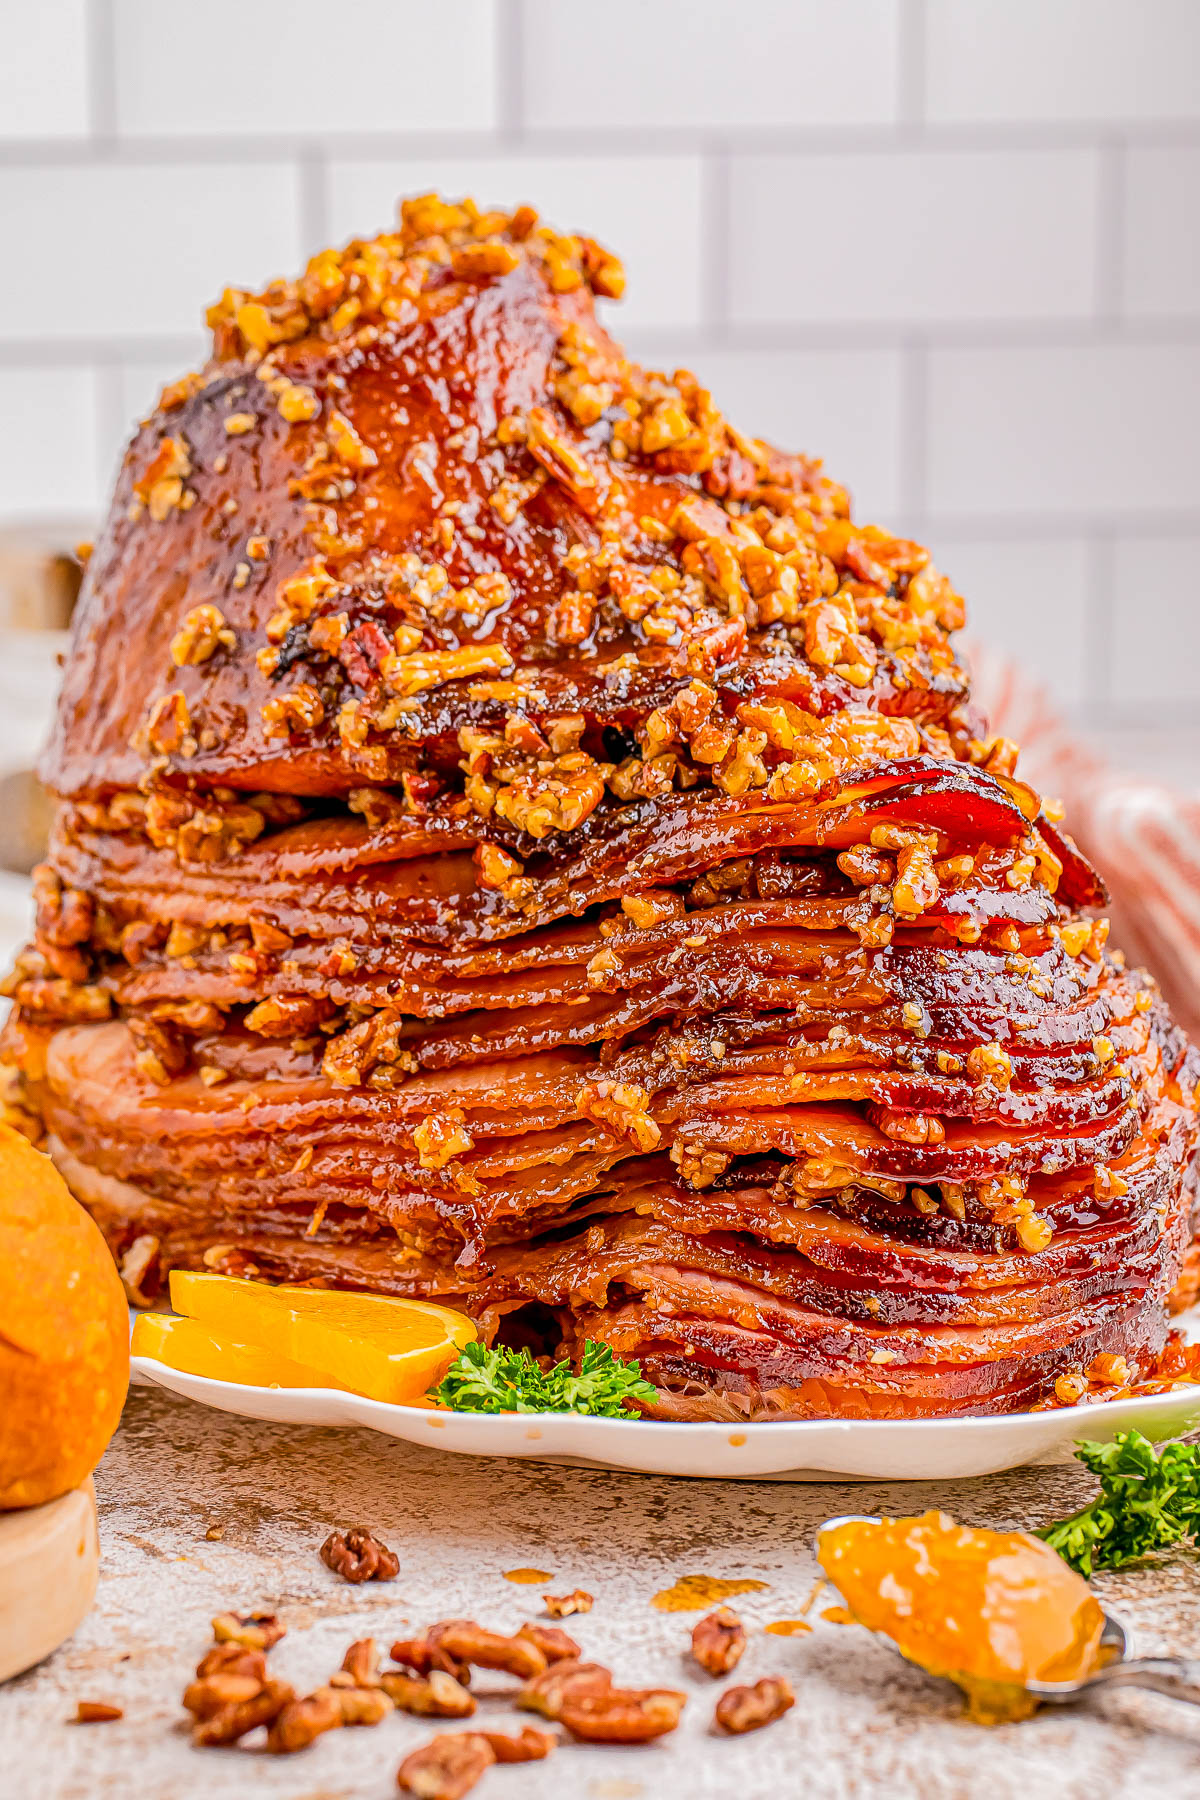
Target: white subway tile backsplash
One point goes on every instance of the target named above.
(1028, 598)
(1052, 61)
(1161, 260)
(132, 251)
(1156, 621)
(1090, 429)
(950, 245)
(49, 461)
(296, 67)
(647, 209)
(710, 65)
(842, 405)
(44, 71)
(912, 235)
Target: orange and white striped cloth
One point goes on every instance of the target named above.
(1142, 835)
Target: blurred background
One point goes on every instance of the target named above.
(951, 245)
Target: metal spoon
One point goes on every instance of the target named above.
(1178, 1677)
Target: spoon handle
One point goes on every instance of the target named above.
(1175, 1676)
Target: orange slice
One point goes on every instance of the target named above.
(375, 1345)
(186, 1344)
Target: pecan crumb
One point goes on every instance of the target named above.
(357, 1556)
(96, 1712)
(718, 1641)
(749, 1708)
(561, 1606)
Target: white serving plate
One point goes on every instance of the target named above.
(794, 1450)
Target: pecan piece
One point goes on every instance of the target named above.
(233, 1720)
(548, 1693)
(232, 1659)
(447, 1767)
(561, 1606)
(749, 1708)
(96, 1712)
(555, 1645)
(360, 1665)
(210, 1693)
(467, 1642)
(357, 1556)
(718, 1641)
(532, 1745)
(327, 1709)
(436, 1695)
(623, 1715)
(420, 1655)
(253, 1631)
(301, 1721)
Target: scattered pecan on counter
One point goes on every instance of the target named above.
(718, 1640)
(554, 1644)
(357, 1556)
(352, 1696)
(582, 1697)
(560, 1606)
(448, 1766)
(96, 1712)
(749, 1708)
(254, 1631)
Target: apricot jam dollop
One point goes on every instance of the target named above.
(990, 1610)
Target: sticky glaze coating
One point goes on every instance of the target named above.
(520, 842)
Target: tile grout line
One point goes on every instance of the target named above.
(617, 143)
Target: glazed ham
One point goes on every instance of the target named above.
(519, 842)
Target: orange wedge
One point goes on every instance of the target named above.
(384, 1348)
(186, 1344)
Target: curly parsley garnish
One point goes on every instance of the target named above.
(502, 1380)
(1149, 1500)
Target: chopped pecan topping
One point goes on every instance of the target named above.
(718, 1641)
(441, 1137)
(253, 1631)
(621, 1106)
(201, 635)
(748, 1708)
(561, 1606)
(357, 1556)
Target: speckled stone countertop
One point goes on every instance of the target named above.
(864, 1723)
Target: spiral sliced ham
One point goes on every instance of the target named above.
(519, 842)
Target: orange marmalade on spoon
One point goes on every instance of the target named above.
(990, 1610)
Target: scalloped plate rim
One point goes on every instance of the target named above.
(782, 1450)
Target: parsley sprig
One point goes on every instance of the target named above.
(503, 1380)
(1149, 1500)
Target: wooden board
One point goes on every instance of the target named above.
(49, 1560)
